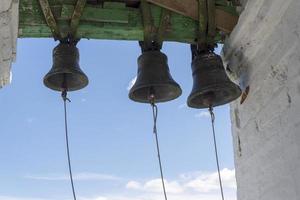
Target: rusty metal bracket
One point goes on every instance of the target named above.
(76, 17)
(50, 20)
(153, 36)
(203, 23)
(211, 10)
(206, 27)
(148, 26)
(163, 26)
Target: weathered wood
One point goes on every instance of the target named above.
(94, 14)
(76, 17)
(189, 8)
(50, 20)
(147, 23)
(211, 7)
(114, 21)
(228, 21)
(99, 23)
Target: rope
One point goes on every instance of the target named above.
(216, 150)
(155, 112)
(65, 99)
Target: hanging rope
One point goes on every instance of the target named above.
(155, 112)
(216, 150)
(65, 99)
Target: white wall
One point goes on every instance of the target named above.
(264, 53)
(8, 37)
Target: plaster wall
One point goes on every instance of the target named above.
(263, 52)
(8, 38)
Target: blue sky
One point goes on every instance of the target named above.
(112, 145)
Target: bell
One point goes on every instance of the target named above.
(211, 87)
(65, 73)
(154, 79)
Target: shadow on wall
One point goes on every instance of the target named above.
(237, 67)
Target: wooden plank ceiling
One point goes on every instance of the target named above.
(123, 20)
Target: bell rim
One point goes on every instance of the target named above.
(176, 86)
(47, 84)
(237, 89)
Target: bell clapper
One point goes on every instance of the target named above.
(65, 99)
(155, 112)
(210, 109)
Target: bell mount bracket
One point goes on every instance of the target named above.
(51, 22)
(206, 28)
(153, 36)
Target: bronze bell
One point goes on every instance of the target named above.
(211, 87)
(154, 78)
(65, 73)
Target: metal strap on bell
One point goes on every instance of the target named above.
(212, 86)
(65, 73)
(154, 78)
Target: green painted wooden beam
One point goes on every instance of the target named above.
(103, 23)
(92, 14)
(113, 21)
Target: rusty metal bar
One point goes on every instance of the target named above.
(147, 23)
(76, 17)
(163, 26)
(50, 20)
(203, 22)
(211, 7)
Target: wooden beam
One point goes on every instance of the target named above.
(147, 23)
(50, 20)
(103, 23)
(189, 8)
(76, 17)
(225, 21)
(95, 14)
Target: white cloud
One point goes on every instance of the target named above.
(152, 196)
(135, 197)
(94, 198)
(202, 114)
(195, 182)
(131, 83)
(133, 185)
(155, 185)
(208, 182)
(18, 198)
(84, 176)
(191, 186)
